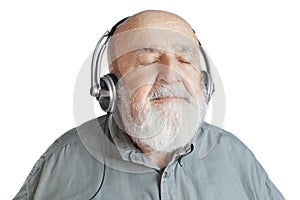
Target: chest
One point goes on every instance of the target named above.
(175, 183)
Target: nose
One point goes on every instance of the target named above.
(168, 75)
(167, 72)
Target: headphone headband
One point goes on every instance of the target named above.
(113, 29)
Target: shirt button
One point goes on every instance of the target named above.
(165, 175)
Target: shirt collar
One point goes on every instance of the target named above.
(117, 150)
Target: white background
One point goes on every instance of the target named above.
(254, 44)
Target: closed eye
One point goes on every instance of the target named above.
(184, 61)
(149, 62)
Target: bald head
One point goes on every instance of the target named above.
(148, 29)
(157, 19)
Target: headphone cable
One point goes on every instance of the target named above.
(104, 165)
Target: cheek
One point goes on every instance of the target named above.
(138, 99)
(192, 82)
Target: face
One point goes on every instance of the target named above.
(160, 98)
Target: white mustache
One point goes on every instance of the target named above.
(167, 91)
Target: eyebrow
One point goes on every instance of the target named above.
(147, 49)
(177, 49)
(185, 48)
(142, 51)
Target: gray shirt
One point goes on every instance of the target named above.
(86, 162)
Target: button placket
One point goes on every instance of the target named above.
(168, 185)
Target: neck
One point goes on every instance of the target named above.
(160, 159)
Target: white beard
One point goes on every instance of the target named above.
(164, 126)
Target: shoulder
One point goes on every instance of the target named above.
(68, 143)
(223, 146)
(226, 159)
(69, 137)
(65, 162)
(65, 139)
(215, 143)
(223, 134)
(215, 137)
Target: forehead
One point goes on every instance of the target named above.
(143, 38)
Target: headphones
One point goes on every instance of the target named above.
(104, 88)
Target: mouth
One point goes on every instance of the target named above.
(168, 98)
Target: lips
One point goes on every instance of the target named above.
(168, 98)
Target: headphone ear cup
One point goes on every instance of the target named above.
(108, 95)
(208, 85)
